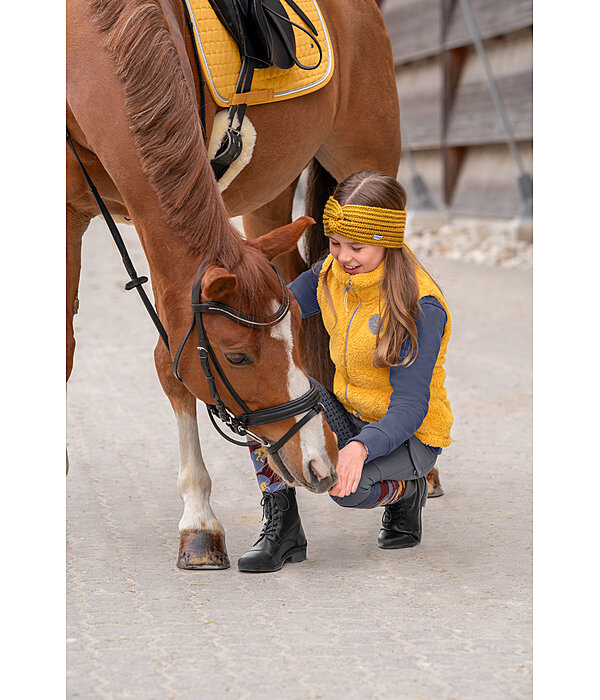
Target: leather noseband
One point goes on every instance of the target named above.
(308, 403)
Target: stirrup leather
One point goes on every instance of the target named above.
(265, 37)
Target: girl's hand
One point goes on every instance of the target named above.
(350, 465)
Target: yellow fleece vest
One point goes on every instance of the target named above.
(362, 388)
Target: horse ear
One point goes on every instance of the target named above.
(217, 283)
(282, 239)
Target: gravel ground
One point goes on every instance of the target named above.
(450, 619)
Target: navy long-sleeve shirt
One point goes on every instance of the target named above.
(409, 401)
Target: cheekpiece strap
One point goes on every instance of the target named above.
(292, 408)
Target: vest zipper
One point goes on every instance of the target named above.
(348, 288)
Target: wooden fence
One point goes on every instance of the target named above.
(449, 120)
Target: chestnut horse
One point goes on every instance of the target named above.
(132, 113)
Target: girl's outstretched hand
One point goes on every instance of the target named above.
(350, 465)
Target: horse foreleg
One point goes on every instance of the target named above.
(201, 535)
(274, 214)
(77, 223)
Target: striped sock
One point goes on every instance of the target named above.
(268, 481)
(383, 493)
(391, 492)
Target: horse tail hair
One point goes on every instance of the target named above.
(319, 186)
(315, 347)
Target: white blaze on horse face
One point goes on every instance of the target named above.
(312, 436)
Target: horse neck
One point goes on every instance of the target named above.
(174, 270)
(173, 197)
(163, 119)
(174, 262)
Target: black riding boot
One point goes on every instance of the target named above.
(401, 525)
(282, 538)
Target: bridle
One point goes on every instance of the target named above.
(308, 402)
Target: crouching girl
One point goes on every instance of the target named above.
(389, 327)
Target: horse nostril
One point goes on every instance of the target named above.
(312, 468)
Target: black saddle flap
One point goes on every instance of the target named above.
(261, 29)
(274, 32)
(228, 13)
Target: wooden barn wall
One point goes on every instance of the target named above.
(449, 120)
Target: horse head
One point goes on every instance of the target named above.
(252, 325)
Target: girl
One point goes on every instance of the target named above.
(389, 327)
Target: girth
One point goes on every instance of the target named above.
(264, 35)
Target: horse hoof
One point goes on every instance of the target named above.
(434, 488)
(202, 549)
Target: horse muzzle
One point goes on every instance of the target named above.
(315, 476)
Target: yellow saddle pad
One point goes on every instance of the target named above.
(221, 62)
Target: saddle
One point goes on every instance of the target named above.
(264, 35)
(262, 30)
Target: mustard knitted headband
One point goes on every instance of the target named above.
(370, 225)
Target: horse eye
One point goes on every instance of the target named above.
(238, 359)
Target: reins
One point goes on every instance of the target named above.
(135, 281)
(308, 402)
(201, 82)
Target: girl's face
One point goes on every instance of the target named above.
(355, 257)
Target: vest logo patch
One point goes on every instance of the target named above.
(373, 323)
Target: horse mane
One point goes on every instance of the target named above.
(257, 283)
(164, 122)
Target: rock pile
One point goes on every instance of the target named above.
(479, 241)
(473, 241)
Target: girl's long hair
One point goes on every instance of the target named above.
(399, 291)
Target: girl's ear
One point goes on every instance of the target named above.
(282, 239)
(217, 283)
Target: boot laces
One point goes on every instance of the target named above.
(394, 512)
(273, 515)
